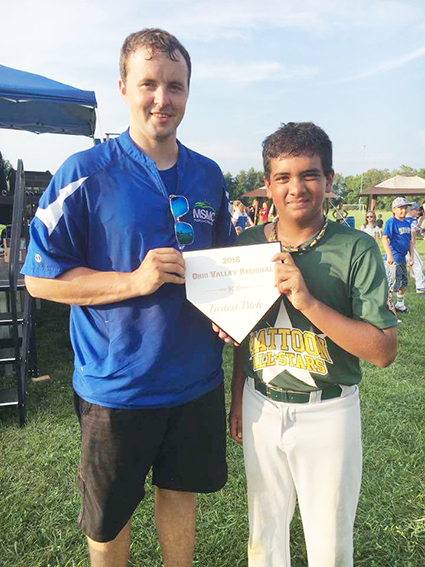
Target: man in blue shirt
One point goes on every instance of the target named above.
(397, 242)
(107, 239)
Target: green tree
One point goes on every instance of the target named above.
(248, 180)
(231, 185)
(5, 167)
(5, 164)
(338, 186)
(370, 178)
(347, 188)
(405, 169)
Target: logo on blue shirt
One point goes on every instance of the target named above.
(203, 212)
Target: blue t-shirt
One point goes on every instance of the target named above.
(105, 209)
(399, 235)
(169, 179)
(413, 223)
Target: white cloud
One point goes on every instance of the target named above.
(210, 19)
(351, 164)
(389, 65)
(84, 25)
(78, 40)
(245, 73)
(223, 149)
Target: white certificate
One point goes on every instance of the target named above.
(234, 286)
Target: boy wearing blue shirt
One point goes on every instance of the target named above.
(397, 242)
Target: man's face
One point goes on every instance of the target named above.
(156, 89)
(297, 186)
(399, 212)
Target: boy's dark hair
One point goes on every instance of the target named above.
(155, 40)
(298, 139)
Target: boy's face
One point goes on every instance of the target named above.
(297, 186)
(399, 212)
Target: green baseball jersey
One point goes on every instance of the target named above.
(344, 271)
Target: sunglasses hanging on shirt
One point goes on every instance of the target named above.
(183, 230)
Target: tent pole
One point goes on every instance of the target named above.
(99, 125)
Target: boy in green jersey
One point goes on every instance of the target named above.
(294, 390)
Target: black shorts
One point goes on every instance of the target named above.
(185, 446)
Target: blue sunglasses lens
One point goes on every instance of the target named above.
(179, 206)
(183, 230)
(184, 233)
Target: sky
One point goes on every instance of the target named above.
(354, 67)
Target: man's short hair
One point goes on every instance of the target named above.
(155, 40)
(298, 139)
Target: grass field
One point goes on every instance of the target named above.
(40, 504)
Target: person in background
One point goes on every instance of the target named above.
(370, 225)
(272, 213)
(253, 211)
(147, 377)
(240, 217)
(397, 242)
(416, 270)
(264, 213)
(421, 220)
(380, 224)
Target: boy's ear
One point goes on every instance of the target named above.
(267, 186)
(329, 181)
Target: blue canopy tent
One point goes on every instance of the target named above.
(36, 104)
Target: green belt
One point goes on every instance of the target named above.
(278, 395)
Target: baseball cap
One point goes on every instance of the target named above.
(414, 206)
(400, 202)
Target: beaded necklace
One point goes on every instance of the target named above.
(298, 249)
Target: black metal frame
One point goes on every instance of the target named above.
(16, 319)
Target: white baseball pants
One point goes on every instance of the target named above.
(311, 451)
(417, 269)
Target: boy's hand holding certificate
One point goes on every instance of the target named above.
(234, 286)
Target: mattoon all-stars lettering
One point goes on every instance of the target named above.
(290, 348)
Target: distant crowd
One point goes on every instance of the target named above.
(245, 217)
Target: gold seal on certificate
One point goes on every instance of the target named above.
(234, 286)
